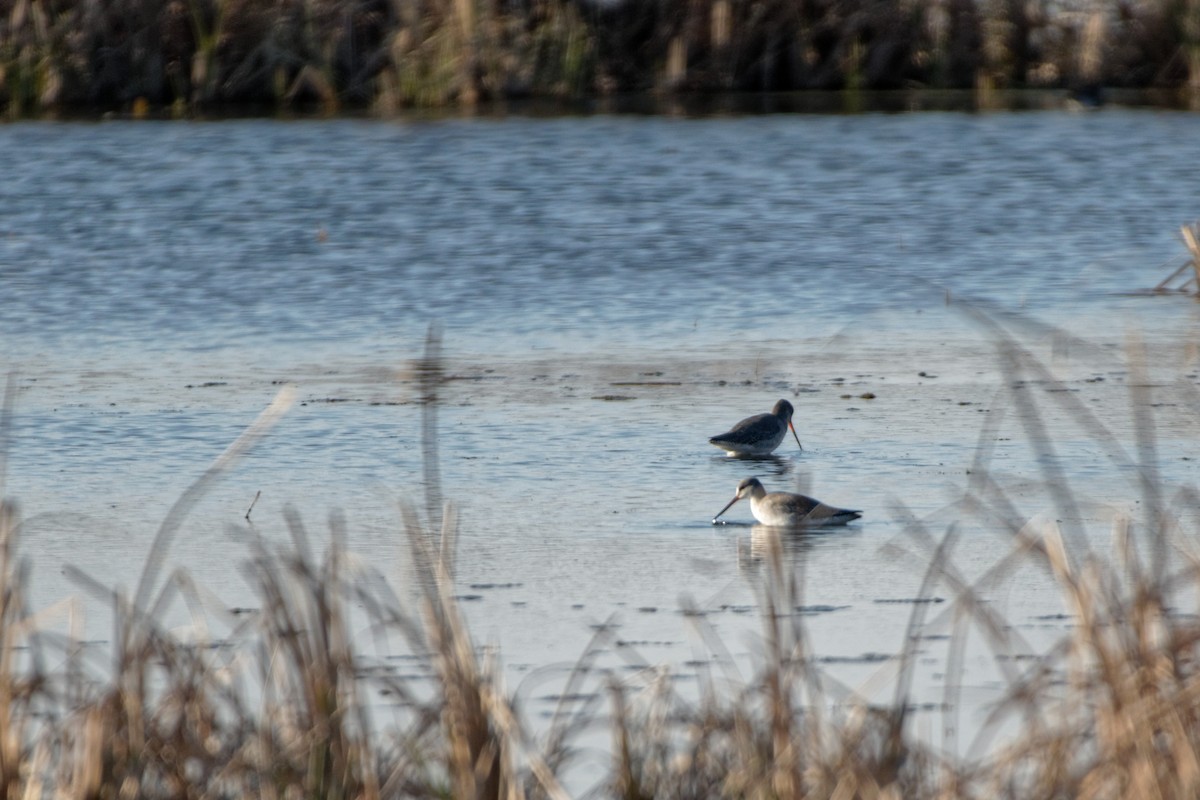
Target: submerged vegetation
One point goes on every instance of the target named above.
(195, 55)
(286, 702)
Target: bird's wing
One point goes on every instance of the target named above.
(751, 429)
(823, 513)
(801, 506)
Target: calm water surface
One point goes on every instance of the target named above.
(612, 291)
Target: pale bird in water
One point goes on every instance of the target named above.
(760, 434)
(784, 509)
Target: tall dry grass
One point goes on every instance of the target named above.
(288, 702)
(1111, 709)
(196, 56)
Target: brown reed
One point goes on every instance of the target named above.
(1186, 276)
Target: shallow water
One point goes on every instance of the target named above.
(612, 291)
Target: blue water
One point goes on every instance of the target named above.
(611, 291)
(522, 233)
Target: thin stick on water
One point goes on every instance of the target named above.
(257, 495)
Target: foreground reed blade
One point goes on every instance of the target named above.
(6, 418)
(430, 376)
(170, 526)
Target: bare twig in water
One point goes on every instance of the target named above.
(257, 495)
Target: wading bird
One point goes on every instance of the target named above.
(784, 509)
(760, 434)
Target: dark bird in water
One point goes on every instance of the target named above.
(758, 435)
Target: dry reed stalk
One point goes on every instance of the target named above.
(481, 733)
(13, 686)
(757, 737)
(720, 23)
(20, 683)
(192, 495)
(1091, 49)
(1190, 19)
(1131, 665)
(1191, 238)
(207, 28)
(675, 71)
(319, 728)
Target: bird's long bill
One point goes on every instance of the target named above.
(726, 508)
(793, 427)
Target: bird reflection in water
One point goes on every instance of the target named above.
(767, 541)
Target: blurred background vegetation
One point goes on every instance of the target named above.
(386, 55)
